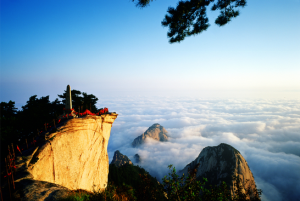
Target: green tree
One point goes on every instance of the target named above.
(23, 124)
(76, 98)
(8, 109)
(89, 100)
(182, 188)
(8, 129)
(81, 99)
(189, 17)
(189, 188)
(37, 112)
(146, 187)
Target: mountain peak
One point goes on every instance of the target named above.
(156, 132)
(120, 159)
(222, 163)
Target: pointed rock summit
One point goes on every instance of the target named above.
(221, 163)
(155, 131)
(120, 159)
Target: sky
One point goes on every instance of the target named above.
(114, 48)
(237, 84)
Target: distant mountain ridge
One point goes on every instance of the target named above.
(222, 163)
(156, 132)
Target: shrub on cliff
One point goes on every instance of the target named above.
(188, 188)
(145, 186)
(174, 188)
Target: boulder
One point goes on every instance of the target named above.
(120, 159)
(156, 132)
(28, 189)
(221, 163)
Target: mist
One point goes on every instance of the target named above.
(266, 132)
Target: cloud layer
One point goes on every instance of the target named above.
(267, 134)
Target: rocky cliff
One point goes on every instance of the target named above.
(221, 163)
(155, 131)
(75, 156)
(120, 159)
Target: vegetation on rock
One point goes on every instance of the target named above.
(81, 99)
(120, 159)
(23, 124)
(131, 182)
(139, 179)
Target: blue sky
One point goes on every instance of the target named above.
(104, 47)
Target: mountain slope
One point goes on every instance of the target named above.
(120, 159)
(221, 163)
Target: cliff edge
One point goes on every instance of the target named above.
(75, 156)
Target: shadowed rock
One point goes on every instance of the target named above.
(156, 132)
(221, 163)
(29, 189)
(120, 159)
(137, 158)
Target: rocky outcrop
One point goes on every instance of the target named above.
(27, 189)
(221, 163)
(137, 158)
(120, 159)
(156, 132)
(75, 156)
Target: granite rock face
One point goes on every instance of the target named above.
(75, 156)
(28, 189)
(39, 191)
(221, 163)
(156, 132)
(120, 159)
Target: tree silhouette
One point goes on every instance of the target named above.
(82, 100)
(189, 17)
(37, 112)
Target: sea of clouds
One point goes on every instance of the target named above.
(266, 132)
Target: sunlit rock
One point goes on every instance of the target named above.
(75, 156)
(221, 163)
(156, 132)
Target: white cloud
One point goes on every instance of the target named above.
(267, 133)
